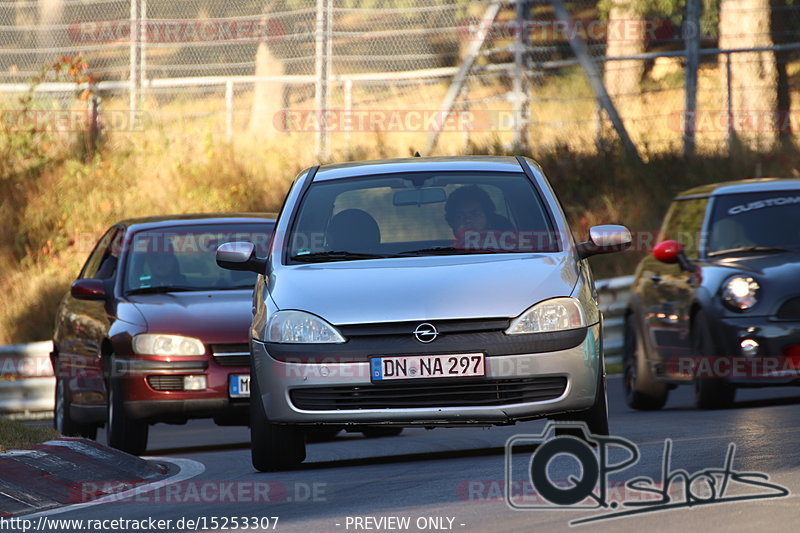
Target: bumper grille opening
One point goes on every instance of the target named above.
(166, 383)
(409, 395)
(231, 354)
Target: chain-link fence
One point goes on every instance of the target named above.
(425, 75)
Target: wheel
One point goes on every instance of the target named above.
(272, 446)
(642, 390)
(709, 393)
(123, 432)
(595, 418)
(62, 420)
(373, 432)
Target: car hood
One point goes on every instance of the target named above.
(212, 316)
(779, 267)
(423, 288)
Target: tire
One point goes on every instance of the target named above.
(273, 447)
(595, 418)
(123, 432)
(373, 433)
(709, 393)
(643, 391)
(62, 420)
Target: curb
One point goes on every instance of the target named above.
(67, 471)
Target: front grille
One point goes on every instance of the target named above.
(231, 354)
(790, 310)
(484, 393)
(166, 383)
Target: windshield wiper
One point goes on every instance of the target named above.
(748, 249)
(159, 289)
(321, 257)
(447, 250)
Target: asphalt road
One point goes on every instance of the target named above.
(453, 479)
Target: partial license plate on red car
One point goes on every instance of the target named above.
(427, 366)
(239, 386)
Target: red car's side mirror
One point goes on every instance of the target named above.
(668, 252)
(88, 289)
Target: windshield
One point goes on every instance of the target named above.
(761, 221)
(183, 258)
(418, 214)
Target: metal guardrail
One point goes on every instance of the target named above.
(27, 384)
(613, 297)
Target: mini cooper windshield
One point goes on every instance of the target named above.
(420, 214)
(762, 222)
(182, 258)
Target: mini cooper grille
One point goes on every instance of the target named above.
(166, 383)
(404, 396)
(231, 354)
(790, 310)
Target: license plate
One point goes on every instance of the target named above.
(427, 366)
(239, 386)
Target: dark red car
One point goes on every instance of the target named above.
(154, 331)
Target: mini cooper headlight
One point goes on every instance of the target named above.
(156, 344)
(550, 315)
(301, 328)
(740, 293)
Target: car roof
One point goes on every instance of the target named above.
(480, 163)
(742, 186)
(194, 219)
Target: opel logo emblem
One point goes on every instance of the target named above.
(426, 333)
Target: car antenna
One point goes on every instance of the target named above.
(416, 154)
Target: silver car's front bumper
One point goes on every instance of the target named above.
(579, 365)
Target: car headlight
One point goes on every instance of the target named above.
(301, 328)
(550, 315)
(156, 344)
(740, 293)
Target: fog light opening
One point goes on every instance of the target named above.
(194, 383)
(749, 347)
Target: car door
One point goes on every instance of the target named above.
(670, 288)
(86, 322)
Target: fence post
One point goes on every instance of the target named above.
(134, 62)
(520, 141)
(229, 110)
(142, 50)
(691, 36)
(729, 98)
(322, 71)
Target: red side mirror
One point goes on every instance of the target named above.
(667, 251)
(88, 289)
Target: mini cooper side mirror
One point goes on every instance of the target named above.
(671, 252)
(88, 289)
(240, 256)
(605, 239)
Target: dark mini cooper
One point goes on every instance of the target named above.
(154, 331)
(717, 304)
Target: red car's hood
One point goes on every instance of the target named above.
(215, 317)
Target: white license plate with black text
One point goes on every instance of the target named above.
(239, 386)
(427, 366)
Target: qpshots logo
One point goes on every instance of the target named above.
(572, 470)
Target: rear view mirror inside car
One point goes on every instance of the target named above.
(431, 195)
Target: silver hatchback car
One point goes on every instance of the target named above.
(421, 292)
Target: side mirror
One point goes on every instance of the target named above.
(88, 289)
(605, 239)
(240, 256)
(671, 252)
